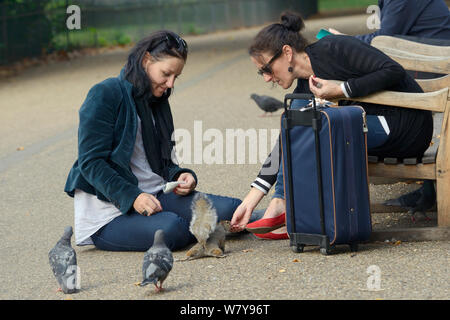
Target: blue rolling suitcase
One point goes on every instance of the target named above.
(324, 157)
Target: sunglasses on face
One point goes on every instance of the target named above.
(267, 69)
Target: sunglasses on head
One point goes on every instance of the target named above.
(181, 44)
(173, 42)
(267, 69)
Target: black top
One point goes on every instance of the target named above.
(367, 70)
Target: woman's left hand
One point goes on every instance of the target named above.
(187, 186)
(325, 89)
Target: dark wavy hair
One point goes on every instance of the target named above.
(159, 44)
(272, 38)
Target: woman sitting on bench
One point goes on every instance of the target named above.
(282, 55)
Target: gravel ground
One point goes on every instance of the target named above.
(38, 146)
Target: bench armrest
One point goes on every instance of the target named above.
(432, 101)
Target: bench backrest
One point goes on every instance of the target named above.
(427, 58)
(410, 46)
(415, 56)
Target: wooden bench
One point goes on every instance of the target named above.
(435, 164)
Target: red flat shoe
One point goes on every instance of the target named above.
(272, 236)
(266, 225)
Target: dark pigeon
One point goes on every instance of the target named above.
(418, 201)
(63, 260)
(158, 261)
(266, 103)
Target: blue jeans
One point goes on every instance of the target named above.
(376, 136)
(135, 232)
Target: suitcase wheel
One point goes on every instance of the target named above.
(297, 248)
(353, 247)
(325, 251)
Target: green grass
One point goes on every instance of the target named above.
(325, 5)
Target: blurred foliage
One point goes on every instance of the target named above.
(26, 34)
(325, 5)
(30, 28)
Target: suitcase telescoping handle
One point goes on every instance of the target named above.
(316, 128)
(299, 96)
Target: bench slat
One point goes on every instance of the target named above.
(410, 46)
(390, 161)
(430, 85)
(432, 101)
(410, 161)
(420, 171)
(418, 62)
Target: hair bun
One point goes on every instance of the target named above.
(292, 21)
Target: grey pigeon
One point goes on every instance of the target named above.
(266, 103)
(63, 260)
(158, 261)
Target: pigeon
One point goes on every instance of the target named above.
(418, 201)
(158, 261)
(63, 260)
(266, 103)
(204, 218)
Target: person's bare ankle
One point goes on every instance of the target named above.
(276, 207)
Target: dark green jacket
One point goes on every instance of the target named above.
(106, 138)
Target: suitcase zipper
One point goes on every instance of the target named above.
(351, 178)
(365, 129)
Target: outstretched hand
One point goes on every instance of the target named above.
(242, 214)
(241, 217)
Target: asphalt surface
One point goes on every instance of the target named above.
(38, 146)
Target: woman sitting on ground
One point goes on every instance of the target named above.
(125, 156)
(282, 55)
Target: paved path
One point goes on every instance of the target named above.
(38, 146)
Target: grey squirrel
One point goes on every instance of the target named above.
(209, 234)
